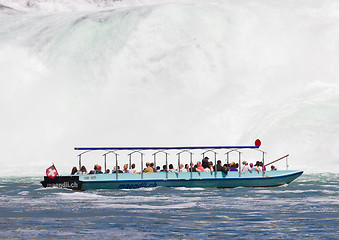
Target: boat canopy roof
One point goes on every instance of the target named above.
(163, 148)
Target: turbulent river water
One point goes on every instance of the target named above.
(307, 208)
(168, 73)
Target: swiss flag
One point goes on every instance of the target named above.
(51, 172)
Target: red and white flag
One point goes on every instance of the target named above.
(51, 172)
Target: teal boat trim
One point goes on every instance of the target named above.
(199, 179)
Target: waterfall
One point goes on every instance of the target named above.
(168, 73)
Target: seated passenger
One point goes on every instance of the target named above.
(187, 167)
(82, 170)
(233, 167)
(260, 166)
(193, 168)
(251, 167)
(181, 168)
(99, 170)
(221, 168)
(107, 171)
(114, 170)
(148, 168)
(152, 166)
(171, 168)
(210, 165)
(199, 167)
(257, 166)
(204, 162)
(158, 169)
(74, 170)
(126, 168)
(95, 168)
(133, 169)
(164, 168)
(205, 165)
(273, 168)
(91, 172)
(245, 167)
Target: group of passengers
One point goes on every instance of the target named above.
(202, 166)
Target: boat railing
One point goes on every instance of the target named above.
(166, 155)
(215, 159)
(158, 150)
(79, 156)
(283, 157)
(239, 159)
(263, 161)
(141, 158)
(191, 159)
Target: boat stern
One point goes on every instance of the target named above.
(70, 182)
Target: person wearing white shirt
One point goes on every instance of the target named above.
(245, 167)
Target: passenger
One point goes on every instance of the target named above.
(148, 168)
(95, 168)
(207, 169)
(233, 167)
(204, 164)
(251, 167)
(260, 166)
(91, 172)
(152, 166)
(158, 169)
(171, 168)
(133, 169)
(227, 167)
(210, 164)
(245, 167)
(187, 167)
(107, 171)
(193, 168)
(99, 170)
(82, 170)
(126, 168)
(119, 171)
(199, 167)
(164, 168)
(273, 168)
(221, 168)
(114, 170)
(257, 166)
(181, 168)
(74, 170)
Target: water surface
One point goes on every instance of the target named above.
(307, 208)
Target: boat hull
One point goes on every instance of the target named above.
(147, 180)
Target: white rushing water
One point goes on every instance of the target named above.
(168, 73)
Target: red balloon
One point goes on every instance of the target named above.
(257, 143)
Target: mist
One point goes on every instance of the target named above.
(168, 73)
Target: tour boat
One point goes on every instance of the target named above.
(217, 179)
